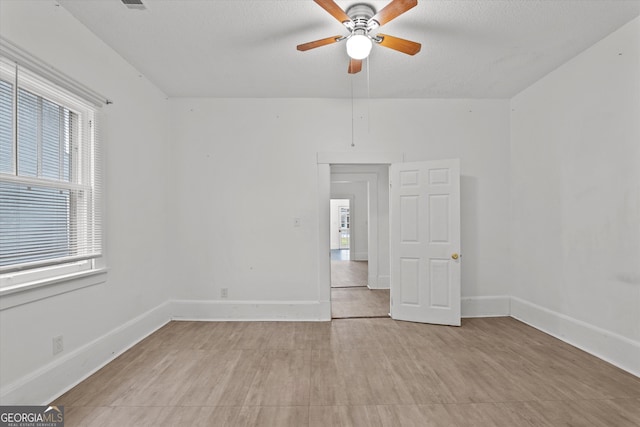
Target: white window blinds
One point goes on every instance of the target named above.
(50, 174)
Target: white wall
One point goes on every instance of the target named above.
(99, 321)
(237, 161)
(575, 216)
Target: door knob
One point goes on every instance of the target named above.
(455, 255)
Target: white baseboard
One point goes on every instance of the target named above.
(53, 379)
(381, 282)
(221, 310)
(609, 346)
(377, 288)
(486, 306)
(384, 282)
(50, 381)
(361, 256)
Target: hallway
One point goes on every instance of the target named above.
(350, 296)
(359, 301)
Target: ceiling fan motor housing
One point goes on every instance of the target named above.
(360, 15)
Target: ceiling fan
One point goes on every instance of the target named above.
(361, 20)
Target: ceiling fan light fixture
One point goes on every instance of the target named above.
(359, 46)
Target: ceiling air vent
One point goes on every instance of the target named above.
(134, 4)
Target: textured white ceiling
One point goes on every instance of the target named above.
(239, 48)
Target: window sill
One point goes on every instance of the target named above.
(33, 291)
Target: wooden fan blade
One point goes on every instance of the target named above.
(333, 9)
(393, 10)
(355, 66)
(318, 43)
(401, 45)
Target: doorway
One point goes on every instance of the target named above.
(354, 213)
(340, 229)
(422, 236)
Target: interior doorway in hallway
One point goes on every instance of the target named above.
(353, 212)
(340, 230)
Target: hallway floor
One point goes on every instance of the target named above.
(359, 302)
(350, 296)
(349, 273)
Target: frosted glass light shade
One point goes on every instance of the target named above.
(359, 46)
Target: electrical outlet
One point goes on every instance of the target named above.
(224, 292)
(58, 344)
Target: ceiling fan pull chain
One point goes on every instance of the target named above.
(353, 144)
(368, 100)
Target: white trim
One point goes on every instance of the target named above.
(44, 182)
(53, 379)
(382, 282)
(359, 158)
(485, 306)
(361, 256)
(23, 58)
(217, 310)
(45, 288)
(324, 253)
(606, 345)
(372, 288)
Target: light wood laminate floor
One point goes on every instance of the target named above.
(349, 273)
(359, 302)
(355, 372)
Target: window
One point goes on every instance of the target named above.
(50, 175)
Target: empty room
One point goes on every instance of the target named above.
(320, 213)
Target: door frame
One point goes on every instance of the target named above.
(324, 161)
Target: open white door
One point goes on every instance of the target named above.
(425, 241)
